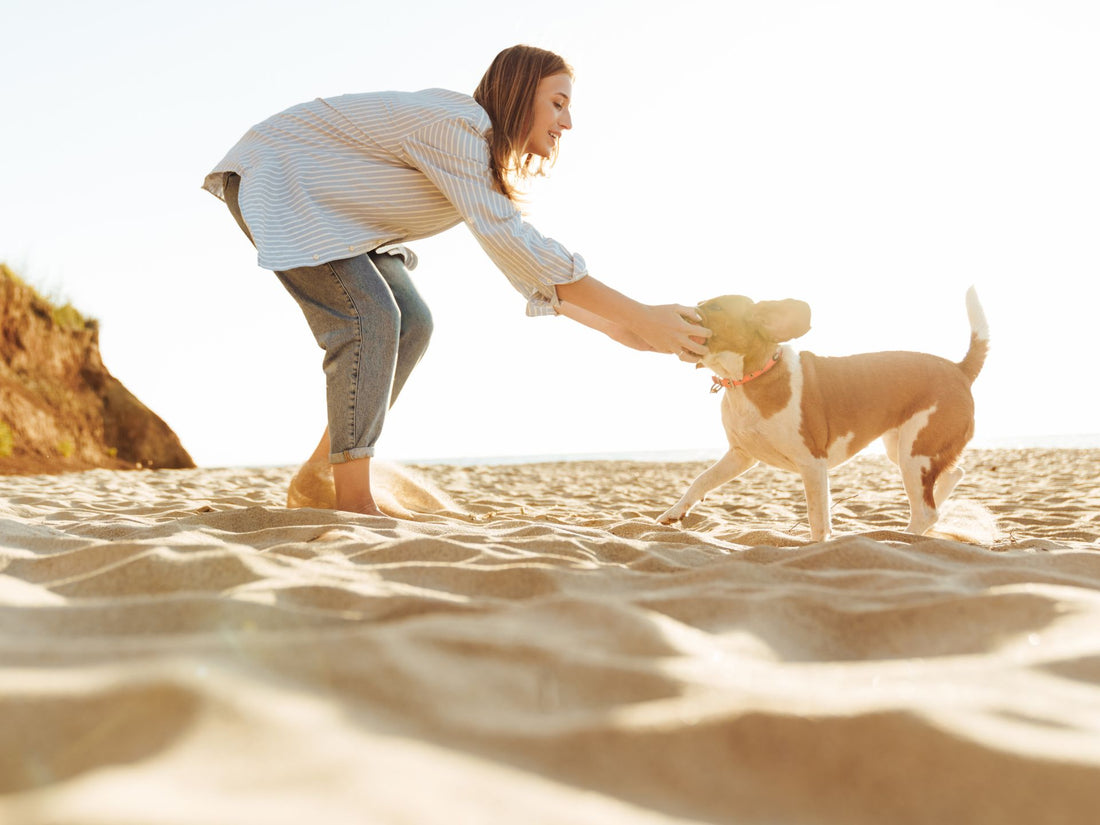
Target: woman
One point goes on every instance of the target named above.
(326, 191)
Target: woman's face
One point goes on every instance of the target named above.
(549, 115)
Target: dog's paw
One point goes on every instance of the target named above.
(672, 515)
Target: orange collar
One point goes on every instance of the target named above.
(730, 383)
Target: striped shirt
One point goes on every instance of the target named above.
(337, 177)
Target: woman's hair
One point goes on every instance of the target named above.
(507, 94)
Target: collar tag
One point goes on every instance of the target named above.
(729, 383)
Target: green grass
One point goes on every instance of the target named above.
(62, 313)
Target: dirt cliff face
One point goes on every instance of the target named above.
(60, 408)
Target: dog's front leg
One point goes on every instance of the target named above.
(729, 466)
(815, 478)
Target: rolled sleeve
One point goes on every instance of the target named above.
(539, 304)
(454, 155)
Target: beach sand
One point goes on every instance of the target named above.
(177, 647)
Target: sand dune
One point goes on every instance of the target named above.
(177, 647)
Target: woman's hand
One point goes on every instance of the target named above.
(668, 328)
(673, 328)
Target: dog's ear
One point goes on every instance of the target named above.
(782, 320)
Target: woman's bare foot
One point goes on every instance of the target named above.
(374, 511)
(326, 486)
(352, 482)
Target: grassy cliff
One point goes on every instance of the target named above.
(60, 408)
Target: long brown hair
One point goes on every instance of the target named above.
(507, 93)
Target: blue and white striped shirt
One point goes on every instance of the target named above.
(337, 177)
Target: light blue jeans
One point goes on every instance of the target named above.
(374, 327)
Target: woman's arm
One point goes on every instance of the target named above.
(666, 328)
(600, 324)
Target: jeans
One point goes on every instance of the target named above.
(374, 327)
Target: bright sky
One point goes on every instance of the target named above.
(872, 158)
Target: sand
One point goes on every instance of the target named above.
(177, 647)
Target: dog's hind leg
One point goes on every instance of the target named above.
(728, 467)
(919, 486)
(920, 470)
(946, 483)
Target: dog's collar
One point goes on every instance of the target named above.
(729, 383)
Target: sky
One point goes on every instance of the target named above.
(871, 157)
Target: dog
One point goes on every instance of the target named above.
(807, 413)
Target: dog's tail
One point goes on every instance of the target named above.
(971, 365)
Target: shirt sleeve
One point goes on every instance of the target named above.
(454, 156)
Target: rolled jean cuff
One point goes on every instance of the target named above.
(351, 455)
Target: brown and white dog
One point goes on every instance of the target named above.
(802, 412)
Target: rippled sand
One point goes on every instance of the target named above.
(177, 647)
